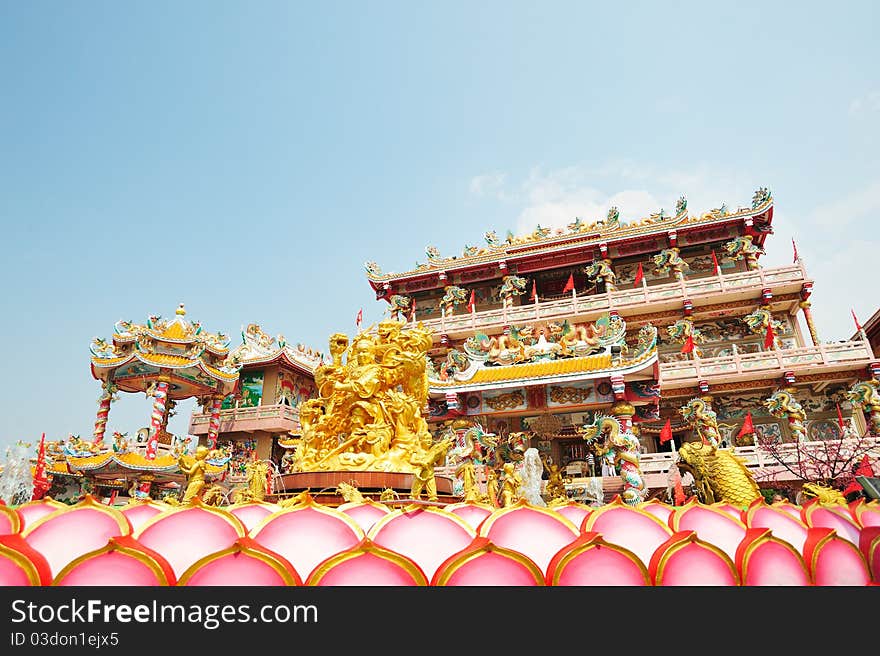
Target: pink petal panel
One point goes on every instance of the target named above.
(72, 531)
(307, 534)
(711, 525)
(20, 564)
(427, 536)
(869, 545)
(367, 564)
(764, 560)
(660, 510)
(122, 561)
(139, 512)
(33, 510)
(628, 527)
(188, 533)
(833, 560)
(245, 563)
(836, 517)
(867, 514)
(590, 560)
(734, 511)
(537, 533)
(685, 560)
(252, 514)
(10, 520)
(781, 523)
(576, 513)
(365, 514)
(482, 563)
(472, 513)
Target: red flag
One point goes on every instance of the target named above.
(715, 263)
(534, 295)
(769, 336)
(666, 432)
(864, 469)
(359, 318)
(858, 325)
(412, 313)
(840, 420)
(794, 248)
(688, 345)
(472, 303)
(640, 275)
(41, 483)
(569, 286)
(748, 427)
(675, 478)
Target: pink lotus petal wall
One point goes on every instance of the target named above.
(371, 543)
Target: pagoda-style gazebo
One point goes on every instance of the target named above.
(168, 360)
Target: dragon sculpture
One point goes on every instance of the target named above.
(758, 320)
(783, 405)
(742, 247)
(455, 363)
(681, 206)
(668, 261)
(825, 494)
(684, 328)
(865, 395)
(605, 436)
(453, 297)
(504, 349)
(761, 196)
(492, 239)
(511, 286)
(400, 304)
(574, 340)
(719, 475)
(702, 419)
(349, 493)
(479, 446)
(600, 271)
(612, 218)
(432, 252)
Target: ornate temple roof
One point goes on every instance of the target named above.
(259, 348)
(137, 352)
(576, 234)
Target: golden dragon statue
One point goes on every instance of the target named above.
(719, 475)
(604, 436)
(825, 494)
(783, 405)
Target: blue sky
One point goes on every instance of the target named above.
(247, 158)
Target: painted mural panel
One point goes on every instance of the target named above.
(293, 389)
(577, 393)
(504, 401)
(251, 391)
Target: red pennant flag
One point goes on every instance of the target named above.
(640, 275)
(864, 469)
(679, 489)
(359, 318)
(840, 420)
(769, 336)
(41, 483)
(569, 286)
(666, 432)
(688, 345)
(472, 304)
(412, 312)
(715, 263)
(858, 325)
(794, 248)
(748, 427)
(534, 295)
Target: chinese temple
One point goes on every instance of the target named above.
(665, 322)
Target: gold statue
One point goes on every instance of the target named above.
(295, 500)
(491, 496)
(349, 493)
(194, 468)
(368, 412)
(257, 483)
(469, 480)
(423, 477)
(555, 482)
(510, 485)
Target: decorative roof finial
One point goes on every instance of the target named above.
(180, 310)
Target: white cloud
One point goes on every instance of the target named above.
(490, 184)
(870, 102)
(862, 204)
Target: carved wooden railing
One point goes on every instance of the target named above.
(591, 306)
(776, 360)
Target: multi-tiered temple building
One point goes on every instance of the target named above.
(668, 321)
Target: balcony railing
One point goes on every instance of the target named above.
(841, 355)
(199, 421)
(784, 279)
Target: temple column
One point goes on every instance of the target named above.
(623, 411)
(104, 401)
(157, 417)
(214, 424)
(808, 317)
